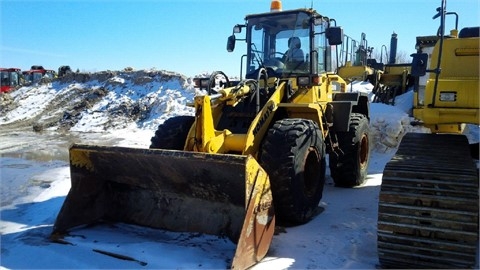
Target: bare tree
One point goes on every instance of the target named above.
(402, 57)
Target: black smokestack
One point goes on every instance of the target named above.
(393, 49)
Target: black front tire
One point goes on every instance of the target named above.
(172, 134)
(293, 154)
(350, 168)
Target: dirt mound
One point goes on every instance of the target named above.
(105, 100)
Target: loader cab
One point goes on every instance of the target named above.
(33, 76)
(288, 43)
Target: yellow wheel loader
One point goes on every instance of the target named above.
(391, 79)
(355, 58)
(254, 151)
(428, 204)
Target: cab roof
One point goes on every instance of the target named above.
(311, 12)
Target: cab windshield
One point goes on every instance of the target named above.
(5, 80)
(280, 42)
(14, 79)
(9, 78)
(36, 77)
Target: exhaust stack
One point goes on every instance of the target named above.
(393, 49)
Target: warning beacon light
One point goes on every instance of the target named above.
(276, 5)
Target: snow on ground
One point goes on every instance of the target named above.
(124, 109)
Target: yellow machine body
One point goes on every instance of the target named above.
(455, 100)
(355, 73)
(307, 102)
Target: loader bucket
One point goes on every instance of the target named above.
(217, 194)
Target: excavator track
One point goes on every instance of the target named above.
(428, 204)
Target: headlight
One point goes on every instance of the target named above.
(201, 83)
(303, 81)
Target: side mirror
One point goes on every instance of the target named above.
(419, 64)
(231, 43)
(334, 35)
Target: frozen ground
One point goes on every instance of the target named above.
(124, 108)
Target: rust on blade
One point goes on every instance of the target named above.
(259, 223)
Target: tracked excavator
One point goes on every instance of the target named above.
(253, 153)
(428, 205)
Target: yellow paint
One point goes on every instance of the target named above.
(459, 77)
(81, 159)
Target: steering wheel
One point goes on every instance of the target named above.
(280, 53)
(274, 61)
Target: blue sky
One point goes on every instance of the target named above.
(188, 36)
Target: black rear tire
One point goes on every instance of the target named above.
(293, 154)
(172, 134)
(350, 169)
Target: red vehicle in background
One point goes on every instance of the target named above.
(36, 73)
(10, 78)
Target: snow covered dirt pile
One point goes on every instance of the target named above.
(116, 100)
(388, 124)
(97, 102)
